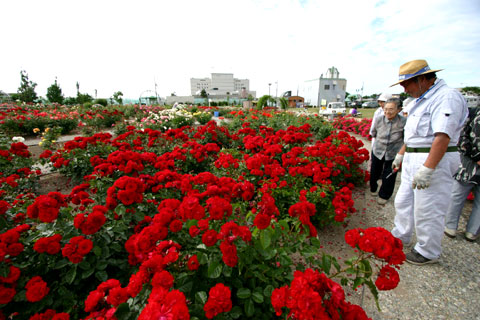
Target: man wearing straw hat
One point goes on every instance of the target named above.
(429, 158)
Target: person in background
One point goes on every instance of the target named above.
(429, 158)
(353, 111)
(381, 102)
(407, 105)
(388, 134)
(467, 179)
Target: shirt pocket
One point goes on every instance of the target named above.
(423, 124)
(396, 135)
(411, 125)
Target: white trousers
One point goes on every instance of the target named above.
(424, 209)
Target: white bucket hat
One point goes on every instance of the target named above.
(384, 97)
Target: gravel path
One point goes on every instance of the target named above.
(447, 290)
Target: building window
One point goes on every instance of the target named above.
(327, 87)
(333, 87)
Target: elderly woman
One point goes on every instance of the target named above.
(388, 134)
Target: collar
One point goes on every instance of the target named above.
(438, 83)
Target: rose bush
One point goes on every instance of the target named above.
(350, 124)
(187, 223)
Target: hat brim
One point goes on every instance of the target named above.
(429, 71)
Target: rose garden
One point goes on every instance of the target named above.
(173, 215)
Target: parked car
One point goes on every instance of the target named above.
(333, 108)
(370, 104)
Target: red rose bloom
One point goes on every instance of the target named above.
(219, 301)
(176, 225)
(117, 296)
(388, 278)
(193, 263)
(210, 237)
(36, 289)
(229, 254)
(6, 294)
(162, 279)
(262, 221)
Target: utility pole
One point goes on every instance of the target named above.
(268, 93)
(276, 93)
(156, 94)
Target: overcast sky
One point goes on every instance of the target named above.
(128, 45)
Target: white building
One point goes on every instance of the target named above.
(221, 84)
(323, 90)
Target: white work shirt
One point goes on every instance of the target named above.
(376, 114)
(440, 110)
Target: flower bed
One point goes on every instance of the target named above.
(193, 223)
(351, 124)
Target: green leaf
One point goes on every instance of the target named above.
(60, 264)
(84, 265)
(97, 250)
(214, 270)
(267, 292)
(236, 312)
(244, 293)
(71, 274)
(201, 297)
(257, 297)
(315, 242)
(366, 268)
(227, 271)
(4, 270)
(123, 311)
(249, 308)
(336, 264)
(326, 263)
(187, 287)
(87, 273)
(374, 291)
(102, 265)
(265, 239)
(358, 281)
(101, 275)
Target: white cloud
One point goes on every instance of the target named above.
(125, 45)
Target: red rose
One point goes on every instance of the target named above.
(13, 275)
(6, 294)
(162, 279)
(279, 299)
(36, 289)
(117, 296)
(229, 254)
(193, 263)
(176, 225)
(262, 221)
(388, 278)
(352, 237)
(219, 301)
(210, 237)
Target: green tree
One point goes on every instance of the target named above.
(54, 93)
(26, 91)
(475, 90)
(117, 96)
(283, 103)
(204, 95)
(264, 100)
(84, 98)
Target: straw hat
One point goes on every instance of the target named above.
(412, 69)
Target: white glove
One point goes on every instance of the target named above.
(397, 162)
(422, 178)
